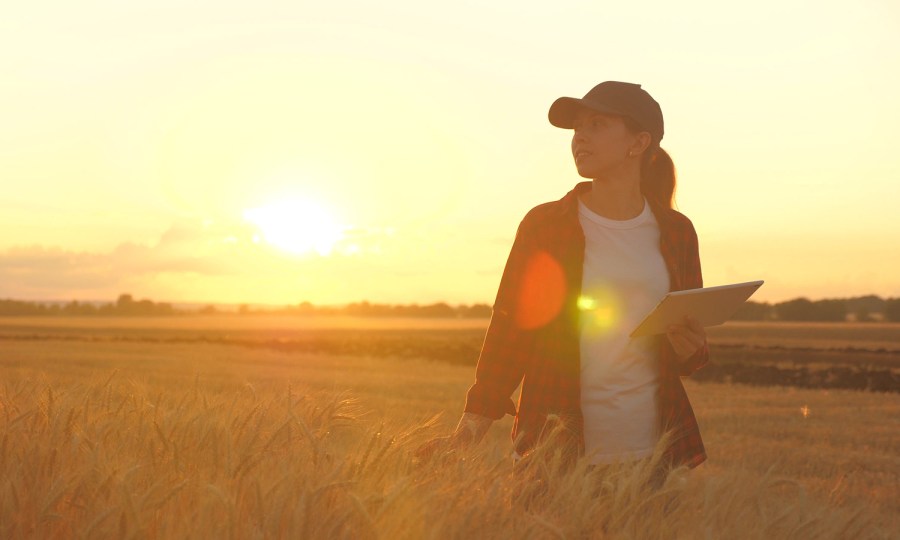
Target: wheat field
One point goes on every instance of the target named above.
(185, 440)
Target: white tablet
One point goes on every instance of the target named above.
(709, 305)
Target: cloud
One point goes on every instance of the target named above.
(42, 270)
(209, 251)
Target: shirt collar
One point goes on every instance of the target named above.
(569, 205)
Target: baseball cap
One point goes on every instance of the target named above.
(612, 97)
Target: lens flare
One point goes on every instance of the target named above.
(542, 293)
(601, 311)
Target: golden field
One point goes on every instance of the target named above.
(219, 428)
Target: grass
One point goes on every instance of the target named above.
(184, 440)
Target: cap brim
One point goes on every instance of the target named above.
(562, 112)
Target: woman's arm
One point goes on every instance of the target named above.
(500, 364)
(689, 336)
(506, 345)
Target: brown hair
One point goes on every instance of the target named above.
(657, 171)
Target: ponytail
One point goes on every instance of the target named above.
(657, 171)
(658, 177)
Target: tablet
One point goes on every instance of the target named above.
(709, 305)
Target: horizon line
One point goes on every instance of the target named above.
(294, 304)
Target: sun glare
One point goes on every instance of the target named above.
(297, 226)
(601, 311)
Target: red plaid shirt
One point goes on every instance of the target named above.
(533, 337)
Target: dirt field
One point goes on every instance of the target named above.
(856, 356)
(162, 431)
(868, 337)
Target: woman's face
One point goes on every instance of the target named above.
(600, 144)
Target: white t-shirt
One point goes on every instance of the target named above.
(625, 276)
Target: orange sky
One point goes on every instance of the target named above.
(278, 152)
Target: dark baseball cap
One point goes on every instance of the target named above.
(612, 97)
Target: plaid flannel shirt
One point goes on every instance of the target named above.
(533, 337)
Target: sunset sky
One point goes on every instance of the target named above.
(331, 152)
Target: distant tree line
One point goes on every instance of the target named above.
(366, 309)
(869, 308)
(864, 309)
(126, 305)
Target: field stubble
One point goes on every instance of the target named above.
(167, 440)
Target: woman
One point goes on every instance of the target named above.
(582, 273)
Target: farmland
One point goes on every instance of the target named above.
(251, 427)
(859, 356)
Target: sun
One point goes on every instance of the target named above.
(296, 225)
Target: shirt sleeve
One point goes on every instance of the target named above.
(693, 279)
(501, 364)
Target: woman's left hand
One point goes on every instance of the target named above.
(686, 338)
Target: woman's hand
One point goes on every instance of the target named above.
(686, 338)
(471, 429)
(438, 446)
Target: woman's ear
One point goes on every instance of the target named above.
(641, 142)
